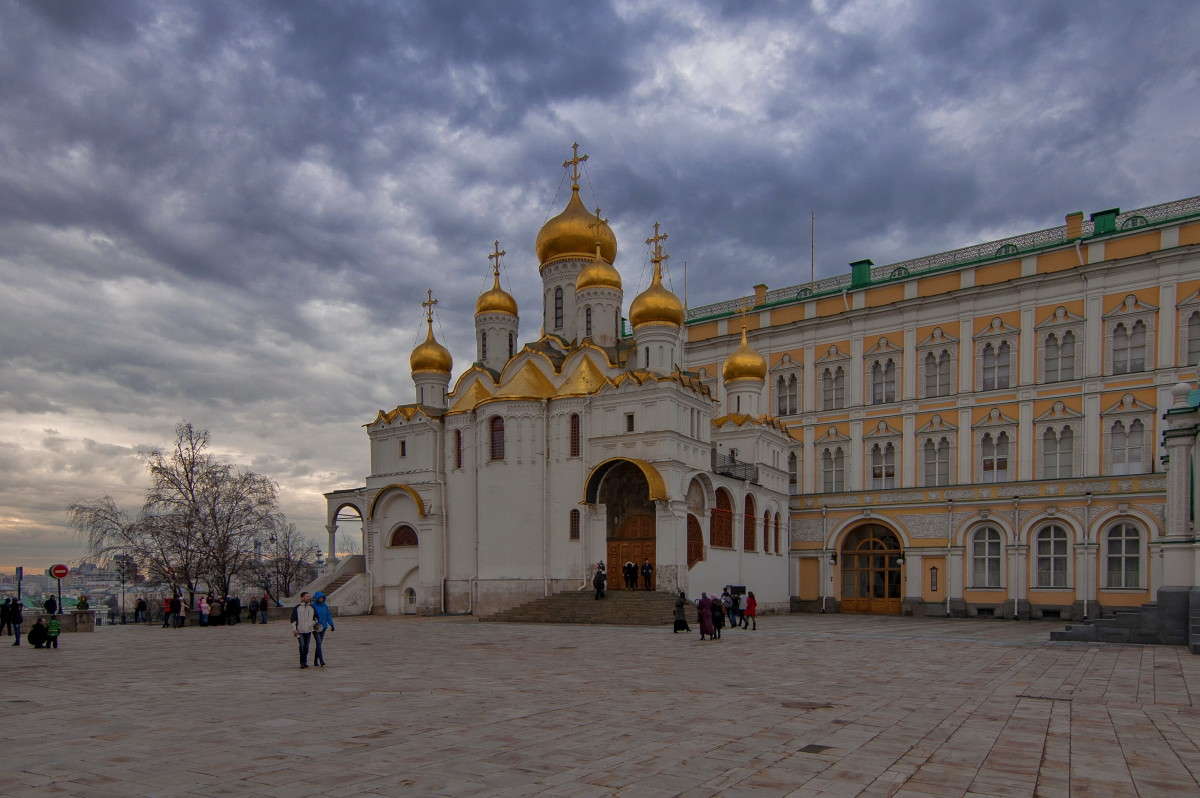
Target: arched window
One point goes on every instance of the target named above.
(1129, 348)
(1193, 339)
(827, 389)
(793, 395)
(497, 437)
(937, 462)
(1052, 556)
(458, 448)
(1059, 357)
(767, 531)
(512, 345)
(777, 541)
(574, 525)
(721, 521)
(1123, 556)
(646, 357)
(483, 344)
(883, 466)
(995, 457)
(883, 381)
(1126, 447)
(1050, 355)
(781, 393)
(937, 373)
(749, 542)
(876, 383)
(985, 557)
(839, 387)
(574, 435)
(587, 321)
(793, 468)
(558, 307)
(996, 366)
(1058, 453)
(833, 470)
(404, 536)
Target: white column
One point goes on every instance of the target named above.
(854, 479)
(954, 575)
(810, 381)
(1093, 334)
(908, 452)
(965, 447)
(1167, 325)
(1093, 435)
(331, 528)
(810, 465)
(855, 377)
(1027, 341)
(1025, 446)
(910, 363)
(966, 359)
(913, 577)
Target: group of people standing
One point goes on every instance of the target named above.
(629, 576)
(311, 619)
(43, 634)
(210, 609)
(714, 611)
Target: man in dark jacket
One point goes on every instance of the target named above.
(38, 634)
(139, 610)
(15, 618)
(599, 581)
(51, 606)
(647, 575)
(176, 610)
(629, 575)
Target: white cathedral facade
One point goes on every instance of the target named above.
(547, 457)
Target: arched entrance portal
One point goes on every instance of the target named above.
(695, 540)
(626, 496)
(871, 571)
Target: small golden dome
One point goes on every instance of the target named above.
(496, 300)
(745, 363)
(430, 356)
(656, 304)
(598, 273)
(574, 232)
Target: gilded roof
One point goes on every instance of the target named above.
(742, 419)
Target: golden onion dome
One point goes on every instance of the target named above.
(745, 363)
(496, 300)
(430, 356)
(574, 233)
(656, 304)
(598, 273)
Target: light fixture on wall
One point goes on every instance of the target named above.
(833, 558)
(900, 558)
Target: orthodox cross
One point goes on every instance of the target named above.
(428, 305)
(495, 257)
(572, 165)
(656, 241)
(742, 311)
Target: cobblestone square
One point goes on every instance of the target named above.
(808, 705)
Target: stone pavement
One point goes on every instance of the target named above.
(808, 705)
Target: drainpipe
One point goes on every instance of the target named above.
(1087, 563)
(441, 458)
(824, 533)
(1017, 527)
(846, 297)
(474, 591)
(545, 497)
(949, 542)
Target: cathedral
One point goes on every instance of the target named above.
(585, 445)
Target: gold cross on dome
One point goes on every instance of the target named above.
(600, 222)
(428, 305)
(495, 257)
(572, 165)
(742, 311)
(656, 241)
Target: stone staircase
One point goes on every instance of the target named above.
(330, 588)
(619, 608)
(1173, 620)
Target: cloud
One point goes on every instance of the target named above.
(229, 212)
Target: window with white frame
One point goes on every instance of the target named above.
(997, 365)
(883, 466)
(1129, 347)
(936, 459)
(558, 307)
(833, 388)
(1058, 453)
(1123, 556)
(787, 393)
(1051, 556)
(986, 551)
(793, 471)
(1058, 362)
(938, 373)
(883, 381)
(1193, 339)
(1126, 444)
(833, 470)
(994, 450)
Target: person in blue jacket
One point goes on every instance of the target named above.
(324, 624)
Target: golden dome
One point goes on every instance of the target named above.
(598, 273)
(496, 300)
(574, 232)
(745, 363)
(656, 304)
(430, 356)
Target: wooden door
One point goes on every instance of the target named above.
(695, 541)
(872, 577)
(632, 541)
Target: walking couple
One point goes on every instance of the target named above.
(311, 618)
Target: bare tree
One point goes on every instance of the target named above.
(111, 534)
(288, 562)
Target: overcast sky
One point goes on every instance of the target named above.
(227, 212)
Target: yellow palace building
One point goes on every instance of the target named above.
(979, 432)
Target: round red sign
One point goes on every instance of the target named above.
(59, 571)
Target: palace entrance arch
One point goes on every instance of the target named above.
(872, 570)
(627, 489)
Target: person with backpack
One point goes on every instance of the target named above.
(324, 624)
(15, 618)
(37, 635)
(304, 620)
(599, 580)
(53, 630)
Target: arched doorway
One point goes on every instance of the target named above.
(871, 571)
(695, 541)
(625, 493)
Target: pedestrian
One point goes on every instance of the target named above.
(113, 604)
(184, 609)
(6, 616)
(140, 610)
(704, 614)
(166, 609)
(718, 615)
(37, 634)
(304, 618)
(216, 611)
(173, 608)
(751, 612)
(681, 624)
(203, 608)
(53, 630)
(726, 604)
(235, 610)
(253, 609)
(15, 617)
(264, 604)
(599, 580)
(629, 575)
(82, 603)
(324, 624)
(735, 607)
(647, 575)
(51, 607)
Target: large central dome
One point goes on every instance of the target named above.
(574, 233)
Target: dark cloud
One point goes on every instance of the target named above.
(228, 212)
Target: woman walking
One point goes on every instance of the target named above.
(718, 613)
(751, 611)
(704, 614)
(324, 624)
(681, 624)
(202, 607)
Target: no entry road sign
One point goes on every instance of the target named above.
(59, 571)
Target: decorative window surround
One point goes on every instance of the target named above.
(1128, 313)
(1189, 331)
(834, 448)
(1058, 325)
(1060, 421)
(936, 344)
(996, 335)
(935, 432)
(986, 546)
(994, 424)
(787, 381)
(1126, 412)
(880, 471)
(1124, 554)
(833, 368)
(881, 372)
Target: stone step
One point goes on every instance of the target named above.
(619, 607)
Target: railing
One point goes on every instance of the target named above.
(729, 467)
